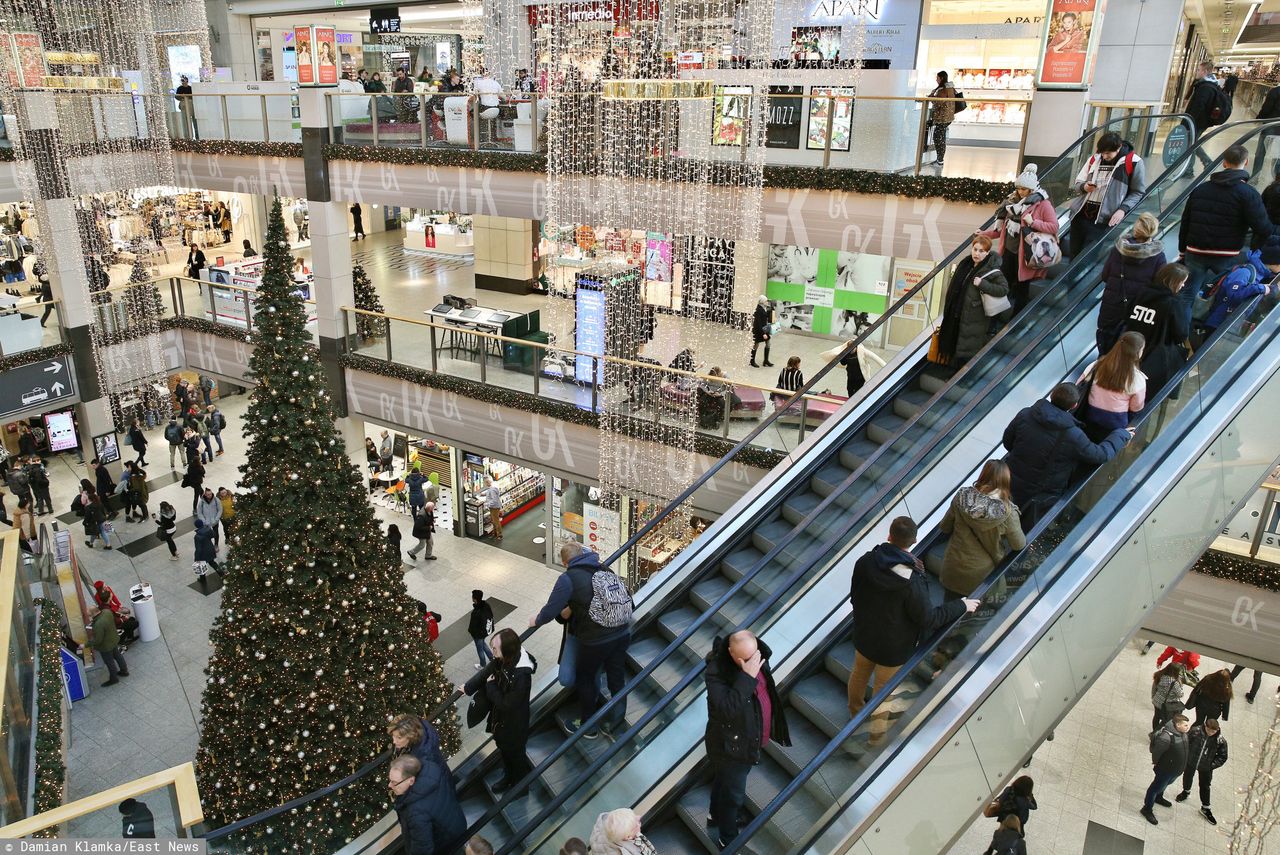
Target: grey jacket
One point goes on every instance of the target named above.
(1123, 191)
(209, 512)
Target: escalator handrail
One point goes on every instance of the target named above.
(927, 649)
(807, 564)
(852, 346)
(449, 703)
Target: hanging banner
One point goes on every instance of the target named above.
(326, 49)
(29, 54)
(302, 49)
(1068, 34)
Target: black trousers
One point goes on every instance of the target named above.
(728, 792)
(1084, 230)
(1206, 780)
(515, 762)
(1257, 678)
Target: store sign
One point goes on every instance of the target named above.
(869, 9)
(1068, 36)
(1175, 145)
(892, 27)
(588, 331)
(785, 112)
(596, 10)
(600, 529)
(35, 385)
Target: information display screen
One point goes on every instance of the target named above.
(61, 429)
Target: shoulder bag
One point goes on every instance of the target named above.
(991, 305)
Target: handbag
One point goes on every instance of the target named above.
(200, 568)
(962, 104)
(1042, 250)
(935, 349)
(1084, 387)
(992, 305)
(773, 328)
(478, 710)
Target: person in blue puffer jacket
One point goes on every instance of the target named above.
(1239, 287)
(414, 481)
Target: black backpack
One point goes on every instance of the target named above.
(1219, 110)
(173, 433)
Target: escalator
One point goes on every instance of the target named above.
(854, 473)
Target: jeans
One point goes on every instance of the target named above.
(1084, 231)
(114, 660)
(859, 677)
(208, 450)
(1157, 788)
(1206, 781)
(611, 656)
(728, 792)
(1204, 269)
(218, 438)
(173, 452)
(569, 664)
(483, 651)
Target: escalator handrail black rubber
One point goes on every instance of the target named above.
(517, 791)
(806, 566)
(883, 692)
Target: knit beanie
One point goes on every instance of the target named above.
(1271, 253)
(1028, 180)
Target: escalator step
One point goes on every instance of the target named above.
(884, 427)
(738, 563)
(933, 378)
(806, 742)
(910, 402)
(855, 453)
(474, 808)
(839, 660)
(642, 650)
(829, 478)
(673, 837)
(802, 809)
(766, 536)
(675, 621)
(799, 505)
(692, 809)
(526, 807)
(824, 701)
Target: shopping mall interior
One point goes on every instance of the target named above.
(748, 426)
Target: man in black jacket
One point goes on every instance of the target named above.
(431, 821)
(136, 820)
(105, 486)
(744, 714)
(480, 625)
(1270, 110)
(1200, 101)
(1206, 751)
(1046, 445)
(892, 611)
(1168, 761)
(1215, 226)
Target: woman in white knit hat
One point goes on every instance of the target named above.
(1028, 209)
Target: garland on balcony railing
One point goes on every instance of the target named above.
(204, 325)
(51, 771)
(38, 354)
(248, 148)
(1224, 565)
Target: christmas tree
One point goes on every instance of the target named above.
(318, 645)
(368, 328)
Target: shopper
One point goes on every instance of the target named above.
(892, 614)
(1206, 751)
(1205, 105)
(414, 735)
(941, 115)
(38, 481)
(228, 501)
(1211, 697)
(1047, 446)
(393, 543)
(1270, 109)
(46, 290)
(194, 478)
(1215, 227)
(424, 527)
(493, 504)
(95, 518)
(166, 521)
(105, 641)
(744, 714)
(1112, 181)
(357, 215)
(137, 440)
(967, 322)
(414, 482)
(1254, 687)
(136, 820)
(984, 526)
(480, 626)
(201, 426)
(1008, 838)
(602, 613)
(1117, 388)
(375, 84)
(617, 832)
(1027, 210)
(1018, 800)
(206, 552)
(195, 261)
(854, 378)
(173, 434)
(431, 822)
(506, 689)
(1166, 694)
(790, 378)
(249, 251)
(1186, 658)
(139, 493)
(105, 485)
(216, 423)
(209, 512)
(224, 222)
(762, 330)
(385, 452)
(1132, 266)
(24, 522)
(1253, 277)
(1169, 753)
(1156, 318)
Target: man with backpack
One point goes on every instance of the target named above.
(216, 423)
(173, 435)
(1109, 185)
(601, 613)
(206, 388)
(1207, 105)
(1215, 227)
(480, 626)
(1169, 753)
(1206, 751)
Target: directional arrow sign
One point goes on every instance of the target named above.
(27, 387)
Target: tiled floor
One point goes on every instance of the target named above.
(150, 720)
(1098, 767)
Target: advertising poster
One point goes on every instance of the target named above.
(601, 530)
(657, 257)
(825, 291)
(835, 112)
(326, 50)
(786, 108)
(305, 57)
(815, 44)
(1066, 50)
(588, 330)
(728, 115)
(708, 278)
(29, 53)
(61, 428)
(106, 448)
(6, 44)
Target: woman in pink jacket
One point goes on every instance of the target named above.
(1028, 209)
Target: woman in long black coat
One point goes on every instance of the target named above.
(965, 325)
(506, 686)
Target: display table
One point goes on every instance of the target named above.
(428, 236)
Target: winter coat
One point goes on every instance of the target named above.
(1006, 841)
(980, 527)
(205, 550)
(424, 524)
(1012, 804)
(973, 326)
(1131, 266)
(735, 720)
(414, 481)
(102, 480)
(19, 483)
(1200, 104)
(507, 691)
(1010, 229)
(138, 486)
(942, 112)
(481, 620)
(1271, 202)
(1124, 189)
(1166, 693)
(1155, 315)
(166, 523)
(103, 636)
(600, 844)
(1222, 309)
(1111, 409)
(94, 516)
(1205, 753)
(1186, 658)
(429, 751)
(1270, 108)
(209, 511)
(194, 476)
(1207, 707)
(891, 607)
(431, 821)
(137, 440)
(1169, 750)
(1220, 212)
(762, 318)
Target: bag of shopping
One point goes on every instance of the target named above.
(200, 568)
(935, 350)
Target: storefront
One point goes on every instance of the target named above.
(440, 233)
(524, 527)
(231, 305)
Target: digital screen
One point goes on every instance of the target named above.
(589, 332)
(384, 19)
(106, 448)
(443, 308)
(498, 318)
(471, 313)
(61, 428)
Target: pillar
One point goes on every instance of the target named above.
(505, 248)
